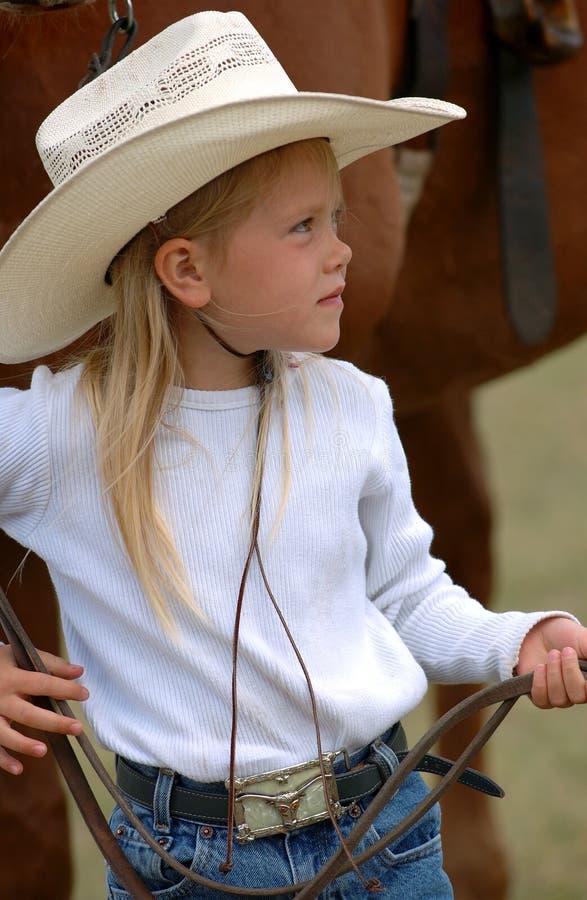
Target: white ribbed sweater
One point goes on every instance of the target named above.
(373, 614)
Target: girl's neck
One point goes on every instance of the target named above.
(207, 366)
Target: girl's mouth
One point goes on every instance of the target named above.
(335, 298)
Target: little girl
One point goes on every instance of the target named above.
(226, 515)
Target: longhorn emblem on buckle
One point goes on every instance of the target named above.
(288, 805)
(262, 807)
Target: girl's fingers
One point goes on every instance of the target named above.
(15, 741)
(17, 687)
(55, 665)
(37, 684)
(9, 763)
(557, 694)
(24, 713)
(559, 682)
(540, 688)
(573, 677)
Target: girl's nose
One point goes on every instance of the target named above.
(347, 253)
(341, 254)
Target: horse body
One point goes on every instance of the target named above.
(448, 331)
(445, 332)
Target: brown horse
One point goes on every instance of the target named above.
(445, 332)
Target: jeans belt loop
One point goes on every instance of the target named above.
(162, 801)
(384, 758)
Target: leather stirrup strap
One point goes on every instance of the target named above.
(529, 281)
(505, 693)
(528, 32)
(526, 247)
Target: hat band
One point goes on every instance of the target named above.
(182, 82)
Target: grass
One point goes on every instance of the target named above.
(534, 425)
(535, 430)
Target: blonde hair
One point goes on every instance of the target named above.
(135, 360)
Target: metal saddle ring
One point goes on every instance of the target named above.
(505, 693)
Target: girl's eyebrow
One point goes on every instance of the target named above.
(309, 211)
(302, 211)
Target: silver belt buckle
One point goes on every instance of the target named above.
(277, 802)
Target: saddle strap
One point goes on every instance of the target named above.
(26, 657)
(529, 32)
(552, 29)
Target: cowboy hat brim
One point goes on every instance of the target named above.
(52, 270)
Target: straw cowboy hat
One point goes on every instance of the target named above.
(199, 98)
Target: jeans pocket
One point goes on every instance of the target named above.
(421, 840)
(412, 865)
(201, 848)
(184, 843)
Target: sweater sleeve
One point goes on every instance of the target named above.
(453, 637)
(24, 458)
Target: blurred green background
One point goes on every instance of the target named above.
(535, 436)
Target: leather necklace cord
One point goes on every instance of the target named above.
(264, 376)
(227, 865)
(506, 693)
(371, 885)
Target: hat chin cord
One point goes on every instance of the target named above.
(264, 369)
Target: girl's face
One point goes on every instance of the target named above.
(279, 285)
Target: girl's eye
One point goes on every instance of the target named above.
(312, 223)
(304, 226)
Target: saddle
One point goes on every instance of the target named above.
(539, 31)
(23, 6)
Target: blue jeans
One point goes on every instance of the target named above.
(410, 869)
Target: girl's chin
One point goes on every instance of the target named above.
(318, 344)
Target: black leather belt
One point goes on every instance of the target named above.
(190, 803)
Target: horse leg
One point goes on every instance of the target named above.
(34, 852)
(450, 491)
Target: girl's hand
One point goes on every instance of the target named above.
(551, 650)
(16, 689)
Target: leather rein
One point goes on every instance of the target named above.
(505, 694)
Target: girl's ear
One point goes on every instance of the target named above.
(178, 263)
